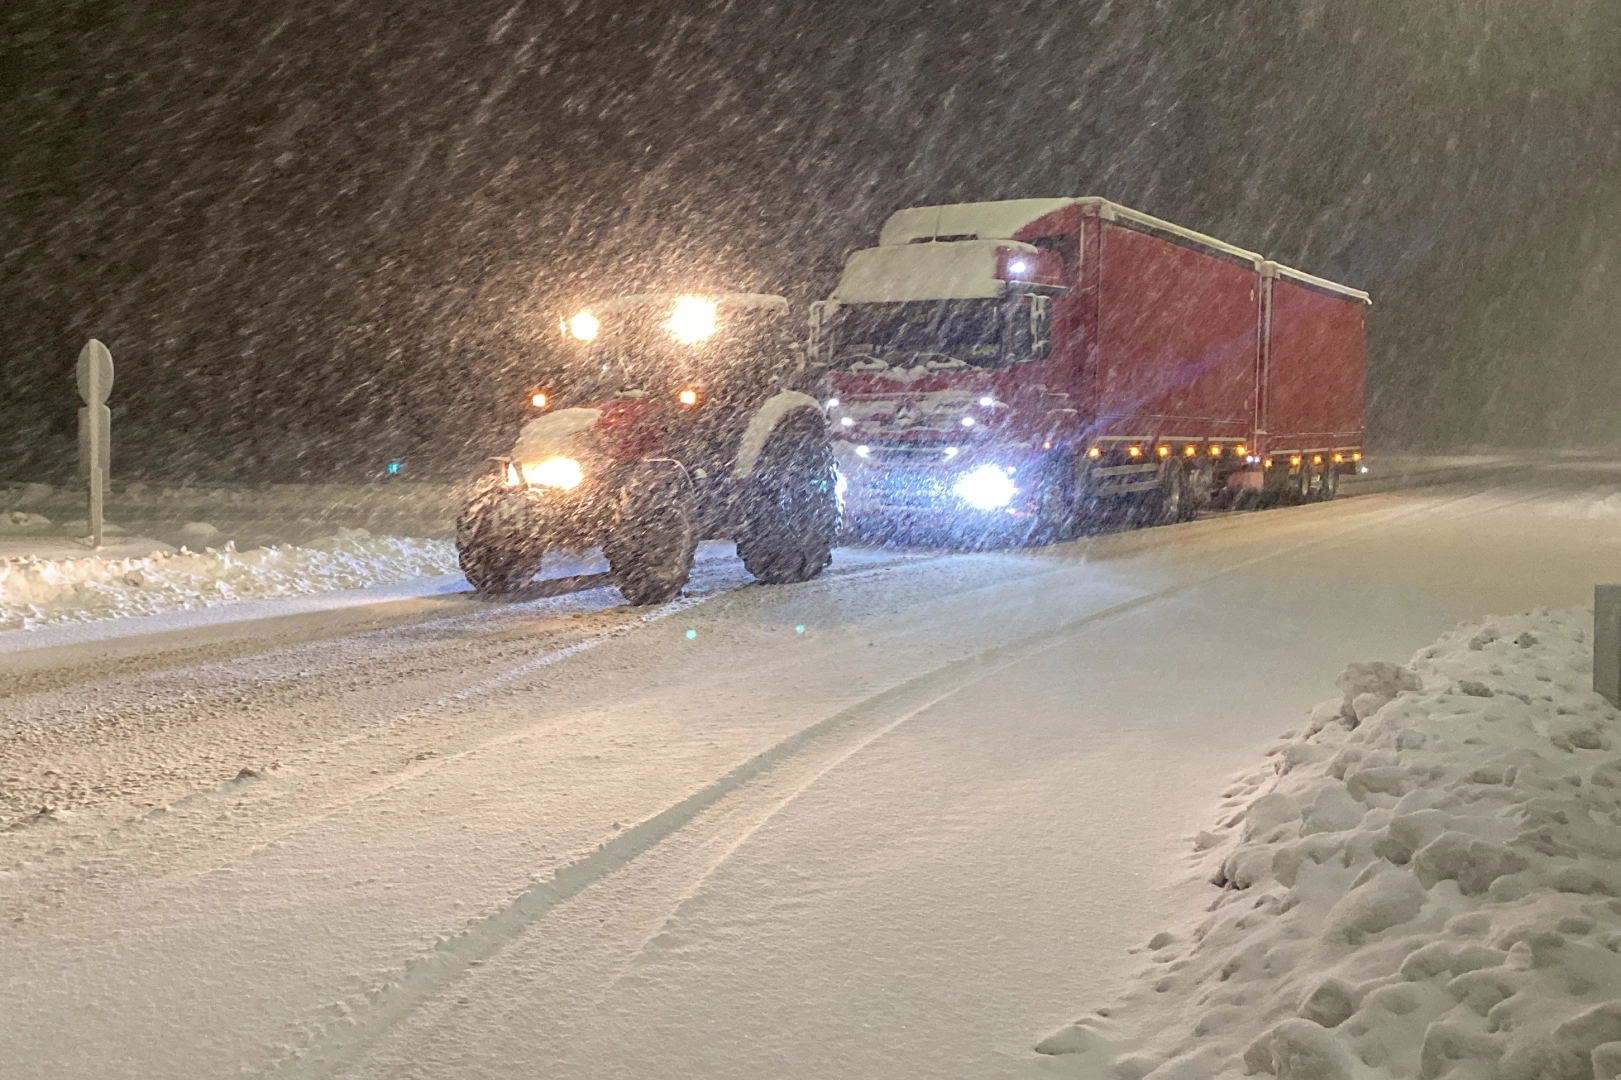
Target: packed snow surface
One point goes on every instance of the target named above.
(40, 592)
(1424, 882)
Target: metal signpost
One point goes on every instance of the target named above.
(1607, 642)
(95, 377)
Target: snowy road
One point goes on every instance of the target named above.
(563, 838)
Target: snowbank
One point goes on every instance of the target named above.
(1422, 883)
(40, 592)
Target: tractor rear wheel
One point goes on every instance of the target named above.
(790, 504)
(654, 536)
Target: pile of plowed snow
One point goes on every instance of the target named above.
(1422, 883)
(39, 592)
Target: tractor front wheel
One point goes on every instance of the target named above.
(790, 504)
(498, 541)
(654, 536)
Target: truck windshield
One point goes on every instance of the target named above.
(910, 334)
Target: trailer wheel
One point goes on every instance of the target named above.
(1198, 488)
(1302, 483)
(498, 545)
(790, 505)
(1329, 485)
(650, 548)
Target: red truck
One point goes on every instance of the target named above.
(1035, 366)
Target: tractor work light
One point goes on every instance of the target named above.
(986, 488)
(538, 400)
(692, 320)
(688, 397)
(584, 326)
(557, 472)
(863, 451)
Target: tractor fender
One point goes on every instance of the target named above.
(548, 435)
(764, 421)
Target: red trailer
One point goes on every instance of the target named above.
(1040, 363)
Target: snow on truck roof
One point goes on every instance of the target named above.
(965, 270)
(1000, 220)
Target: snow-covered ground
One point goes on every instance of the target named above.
(1422, 882)
(905, 819)
(38, 592)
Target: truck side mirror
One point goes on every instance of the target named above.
(1040, 327)
(814, 343)
(1028, 329)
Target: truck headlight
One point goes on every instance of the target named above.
(986, 488)
(557, 472)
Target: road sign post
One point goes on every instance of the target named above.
(1607, 642)
(95, 378)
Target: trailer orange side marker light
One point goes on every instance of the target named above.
(1189, 451)
(1047, 444)
(538, 400)
(1317, 459)
(1164, 451)
(1357, 456)
(1135, 451)
(689, 396)
(1339, 458)
(1295, 461)
(1241, 449)
(1215, 451)
(1267, 464)
(1094, 453)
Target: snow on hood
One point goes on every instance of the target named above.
(1424, 882)
(548, 435)
(40, 592)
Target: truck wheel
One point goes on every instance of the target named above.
(1162, 504)
(790, 505)
(1055, 517)
(1174, 503)
(497, 538)
(654, 535)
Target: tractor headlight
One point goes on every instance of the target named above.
(988, 487)
(557, 472)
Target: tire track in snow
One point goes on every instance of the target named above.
(337, 1047)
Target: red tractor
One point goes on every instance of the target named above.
(674, 419)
